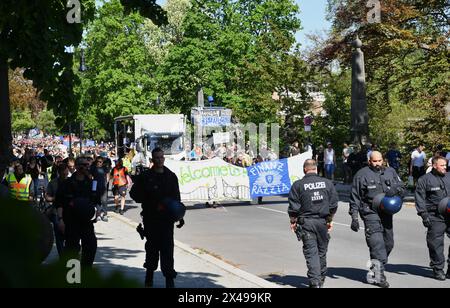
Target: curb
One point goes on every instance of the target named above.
(208, 258)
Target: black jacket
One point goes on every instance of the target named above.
(151, 188)
(367, 183)
(312, 196)
(77, 199)
(430, 190)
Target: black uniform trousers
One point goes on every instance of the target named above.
(84, 232)
(379, 234)
(435, 241)
(315, 239)
(160, 243)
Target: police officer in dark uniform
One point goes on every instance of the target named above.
(432, 204)
(75, 202)
(368, 184)
(152, 188)
(313, 202)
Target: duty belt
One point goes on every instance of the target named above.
(432, 208)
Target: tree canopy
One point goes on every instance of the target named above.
(240, 52)
(407, 66)
(34, 36)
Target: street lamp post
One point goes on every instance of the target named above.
(70, 138)
(82, 69)
(81, 137)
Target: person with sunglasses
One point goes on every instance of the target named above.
(75, 203)
(99, 173)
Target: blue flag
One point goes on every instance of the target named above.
(270, 178)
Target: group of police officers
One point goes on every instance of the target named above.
(376, 195)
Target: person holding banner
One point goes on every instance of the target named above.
(313, 201)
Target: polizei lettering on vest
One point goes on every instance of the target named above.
(313, 186)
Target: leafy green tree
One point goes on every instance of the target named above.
(120, 75)
(159, 39)
(34, 35)
(232, 49)
(407, 66)
(333, 124)
(22, 121)
(45, 121)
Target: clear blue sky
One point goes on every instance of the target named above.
(312, 16)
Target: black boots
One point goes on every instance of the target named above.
(439, 274)
(314, 286)
(170, 283)
(322, 281)
(149, 279)
(383, 282)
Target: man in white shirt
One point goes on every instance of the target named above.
(418, 161)
(330, 161)
(347, 170)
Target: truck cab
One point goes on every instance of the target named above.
(143, 133)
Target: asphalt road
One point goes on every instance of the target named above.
(257, 239)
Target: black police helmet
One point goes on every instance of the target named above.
(387, 205)
(175, 209)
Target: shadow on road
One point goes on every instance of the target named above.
(129, 205)
(202, 206)
(107, 255)
(355, 274)
(289, 280)
(196, 280)
(409, 269)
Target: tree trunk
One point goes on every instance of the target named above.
(5, 115)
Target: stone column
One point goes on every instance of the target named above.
(359, 114)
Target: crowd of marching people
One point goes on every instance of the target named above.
(40, 158)
(43, 174)
(40, 162)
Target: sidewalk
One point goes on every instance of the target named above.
(121, 249)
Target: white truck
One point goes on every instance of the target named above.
(145, 132)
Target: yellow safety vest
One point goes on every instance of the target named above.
(126, 163)
(49, 173)
(19, 190)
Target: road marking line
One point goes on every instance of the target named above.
(264, 208)
(339, 224)
(334, 223)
